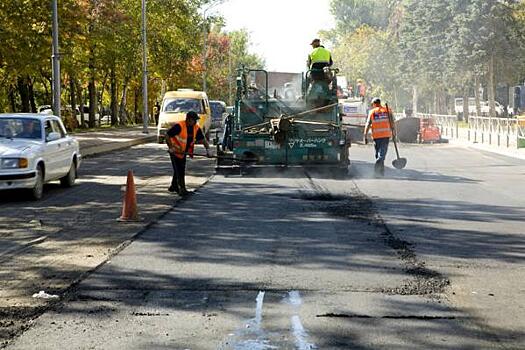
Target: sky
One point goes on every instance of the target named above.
(280, 30)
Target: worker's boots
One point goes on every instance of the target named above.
(379, 168)
(182, 187)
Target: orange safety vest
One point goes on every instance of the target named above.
(180, 140)
(380, 123)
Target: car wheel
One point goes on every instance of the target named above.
(69, 179)
(38, 190)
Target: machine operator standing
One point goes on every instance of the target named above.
(379, 120)
(181, 139)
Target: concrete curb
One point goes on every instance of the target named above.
(514, 153)
(91, 151)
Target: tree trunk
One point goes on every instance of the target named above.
(491, 88)
(12, 99)
(103, 110)
(92, 102)
(73, 95)
(81, 105)
(114, 102)
(465, 103)
(442, 102)
(31, 95)
(414, 100)
(477, 96)
(136, 106)
(123, 101)
(23, 91)
(435, 104)
(47, 83)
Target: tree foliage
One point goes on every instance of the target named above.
(101, 53)
(444, 47)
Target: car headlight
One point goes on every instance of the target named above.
(14, 163)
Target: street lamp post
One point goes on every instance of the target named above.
(55, 58)
(145, 117)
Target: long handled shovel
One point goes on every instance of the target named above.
(398, 163)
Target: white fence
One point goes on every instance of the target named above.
(502, 132)
(493, 130)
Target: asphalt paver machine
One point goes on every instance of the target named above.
(265, 130)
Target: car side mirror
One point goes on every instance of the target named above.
(53, 136)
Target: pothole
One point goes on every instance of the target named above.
(357, 206)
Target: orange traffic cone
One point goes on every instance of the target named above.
(129, 205)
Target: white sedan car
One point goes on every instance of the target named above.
(35, 149)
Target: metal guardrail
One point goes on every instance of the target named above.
(520, 131)
(484, 129)
(498, 131)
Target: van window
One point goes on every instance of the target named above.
(217, 109)
(178, 105)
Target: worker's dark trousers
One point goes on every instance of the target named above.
(179, 172)
(381, 147)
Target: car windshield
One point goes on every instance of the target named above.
(20, 128)
(217, 109)
(183, 105)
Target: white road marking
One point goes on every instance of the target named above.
(299, 333)
(294, 298)
(301, 342)
(252, 329)
(258, 309)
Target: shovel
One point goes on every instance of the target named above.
(398, 163)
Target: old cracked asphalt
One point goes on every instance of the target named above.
(428, 258)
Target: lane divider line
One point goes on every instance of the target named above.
(298, 331)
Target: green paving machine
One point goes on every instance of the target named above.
(266, 130)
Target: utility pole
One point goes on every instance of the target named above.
(230, 78)
(144, 71)
(204, 50)
(55, 59)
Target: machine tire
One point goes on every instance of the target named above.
(69, 179)
(37, 191)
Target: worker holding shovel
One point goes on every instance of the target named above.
(181, 139)
(380, 120)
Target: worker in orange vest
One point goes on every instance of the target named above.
(181, 139)
(379, 120)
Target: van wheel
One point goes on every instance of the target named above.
(38, 190)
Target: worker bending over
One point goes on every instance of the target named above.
(181, 139)
(380, 121)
